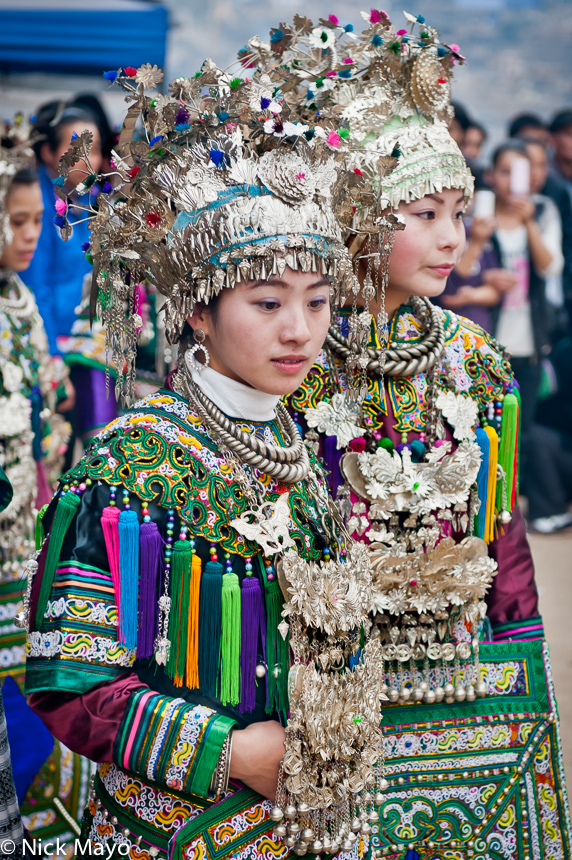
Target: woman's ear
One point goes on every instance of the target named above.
(201, 318)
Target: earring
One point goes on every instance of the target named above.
(199, 346)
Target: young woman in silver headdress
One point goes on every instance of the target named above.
(416, 414)
(197, 614)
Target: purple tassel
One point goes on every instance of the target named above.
(150, 547)
(253, 625)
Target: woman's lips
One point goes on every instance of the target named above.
(290, 364)
(442, 271)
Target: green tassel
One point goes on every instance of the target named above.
(40, 526)
(230, 640)
(210, 623)
(507, 448)
(277, 651)
(181, 561)
(65, 512)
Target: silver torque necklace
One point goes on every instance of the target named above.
(400, 361)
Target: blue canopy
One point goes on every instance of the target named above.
(57, 36)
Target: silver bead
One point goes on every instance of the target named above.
(290, 811)
(405, 694)
(280, 831)
(114, 819)
(365, 828)
(316, 846)
(327, 842)
(302, 808)
(290, 841)
(276, 813)
(153, 851)
(373, 817)
(505, 517)
(393, 695)
(356, 825)
(300, 849)
(293, 828)
(417, 694)
(470, 691)
(307, 834)
(481, 689)
(126, 832)
(439, 694)
(261, 670)
(460, 693)
(347, 845)
(429, 697)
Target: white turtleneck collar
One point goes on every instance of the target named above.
(236, 399)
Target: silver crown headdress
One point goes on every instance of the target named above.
(225, 185)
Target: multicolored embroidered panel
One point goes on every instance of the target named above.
(161, 452)
(484, 779)
(472, 355)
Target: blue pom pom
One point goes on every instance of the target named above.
(377, 40)
(349, 28)
(345, 73)
(59, 221)
(417, 450)
(277, 36)
(60, 181)
(107, 188)
(223, 115)
(264, 103)
(182, 126)
(110, 76)
(309, 95)
(217, 157)
(441, 51)
(420, 19)
(155, 140)
(74, 135)
(85, 246)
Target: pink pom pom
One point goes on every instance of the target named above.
(455, 48)
(333, 19)
(401, 33)
(60, 207)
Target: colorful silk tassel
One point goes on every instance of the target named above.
(507, 447)
(516, 467)
(253, 626)
(181, 561)
(482, 482)
(40, 526)
(491, 490)
(210, 625)
(230, 640)
(65, 511)
(277, 652)
(192, 668)
(128, 529)
(110, 527)
(150, 557)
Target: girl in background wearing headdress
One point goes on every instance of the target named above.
(416, 414)
(190, 624)
(33, 440)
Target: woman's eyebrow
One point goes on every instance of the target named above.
(278, 282)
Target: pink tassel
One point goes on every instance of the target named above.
(110, 526)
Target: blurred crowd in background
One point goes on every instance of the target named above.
(514, 278)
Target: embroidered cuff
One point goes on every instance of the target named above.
(171, 742)
(524, 628)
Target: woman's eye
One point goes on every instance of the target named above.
(269, 305)
(428, 215)
(460, 216)
(17, 222)
(316, 304)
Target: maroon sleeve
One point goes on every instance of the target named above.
(87, 724)
(513, 595)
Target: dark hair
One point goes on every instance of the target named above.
(524, 120)
(52, 117)
(479, 127)
(26, 176)
(462, 116)
(509, 146)
(560, 120)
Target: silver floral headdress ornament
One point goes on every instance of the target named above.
(15, 155)
(390, 89)
(226, 185)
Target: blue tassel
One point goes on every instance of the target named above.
(412, 854)
(128, 576)
(210, 628)
(482, 482)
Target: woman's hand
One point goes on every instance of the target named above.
(501, 279)
(482, 229)
(524, 207)
(256, 755)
